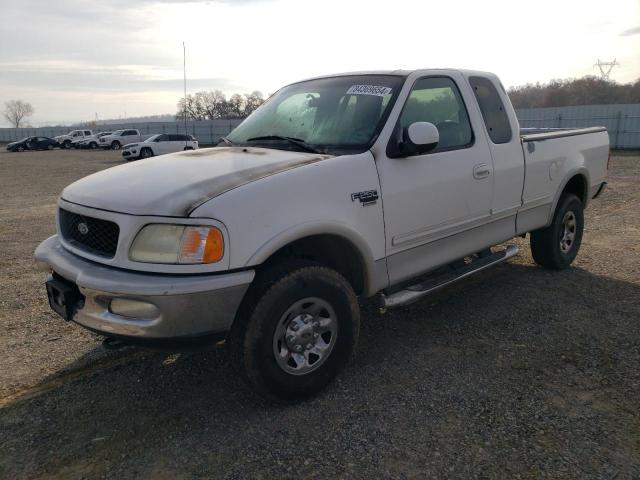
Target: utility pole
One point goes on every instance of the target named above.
(184, 69)
(605, 68)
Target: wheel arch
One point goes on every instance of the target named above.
(327, 244)
(576, 182)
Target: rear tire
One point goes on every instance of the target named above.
(556, 246)
(93, 145)
(295, 330)
(49, 147)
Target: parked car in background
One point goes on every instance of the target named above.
(66, 141)
(90, 142)
(32, 143)
(159, 145)
(117, 139)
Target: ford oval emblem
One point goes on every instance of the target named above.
(83, 228)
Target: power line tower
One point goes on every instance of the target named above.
(605, 68)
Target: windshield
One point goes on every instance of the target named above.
(331, 115)
(117, 132)
(152, 138)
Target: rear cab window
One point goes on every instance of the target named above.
(494, 114)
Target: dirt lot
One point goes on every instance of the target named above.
(517, 373)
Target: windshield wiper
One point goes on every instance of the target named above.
(295, 141)
(225, 140)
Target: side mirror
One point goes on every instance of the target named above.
(416, 139)
(423, 135)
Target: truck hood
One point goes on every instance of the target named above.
(176, 184)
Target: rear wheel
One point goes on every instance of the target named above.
(295, 331)
(93, 145)
(115, 145)
(556, 246)
(49, 147)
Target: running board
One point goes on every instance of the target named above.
(415, 292)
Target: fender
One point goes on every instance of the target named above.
(375, 271)
(582, 170)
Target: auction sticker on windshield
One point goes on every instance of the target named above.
(368, 90)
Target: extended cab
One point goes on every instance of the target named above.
(160, 144)
(384, 183)
(117, 139)
(66, 141)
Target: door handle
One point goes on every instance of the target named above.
(481, 170)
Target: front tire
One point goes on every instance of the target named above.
(93, 145)
(295, 331)
(66, 144)
(146, 153)
(115, 145)
(556, 246)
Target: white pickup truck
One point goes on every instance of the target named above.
(379, 183)
(118, 138)
(67, 141)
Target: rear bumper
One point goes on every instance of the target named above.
(181, 306)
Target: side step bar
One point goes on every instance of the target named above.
(415, 292)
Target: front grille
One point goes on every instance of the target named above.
(93, 235)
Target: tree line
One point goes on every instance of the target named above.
(214, 104)
(587, 90)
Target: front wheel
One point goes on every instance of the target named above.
(93, 145)
(556, 246)
(66, 144)
(299, 335)
(146, 153)
(115, 145)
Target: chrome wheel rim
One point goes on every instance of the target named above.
(568, 232)
(305, 336)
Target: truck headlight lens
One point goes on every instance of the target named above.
(160, 243)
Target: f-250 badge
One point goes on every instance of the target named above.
(368, 197)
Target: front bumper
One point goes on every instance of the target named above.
(186, 305)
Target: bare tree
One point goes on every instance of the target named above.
(17, 110)
(252, 102)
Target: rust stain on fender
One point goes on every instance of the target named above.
(224, 183)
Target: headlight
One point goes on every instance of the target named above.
(161, 243)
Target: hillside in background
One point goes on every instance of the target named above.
(569, 92)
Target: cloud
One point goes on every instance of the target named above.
(631, 31)
(94, 78)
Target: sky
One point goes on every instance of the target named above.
(74, 60)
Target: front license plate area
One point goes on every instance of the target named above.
(64, 296)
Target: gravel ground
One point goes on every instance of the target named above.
(516, 373)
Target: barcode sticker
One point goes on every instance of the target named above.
(368, 90)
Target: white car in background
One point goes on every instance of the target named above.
(119, 138)
(159, 145)
(66, 141)
(90, 142)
